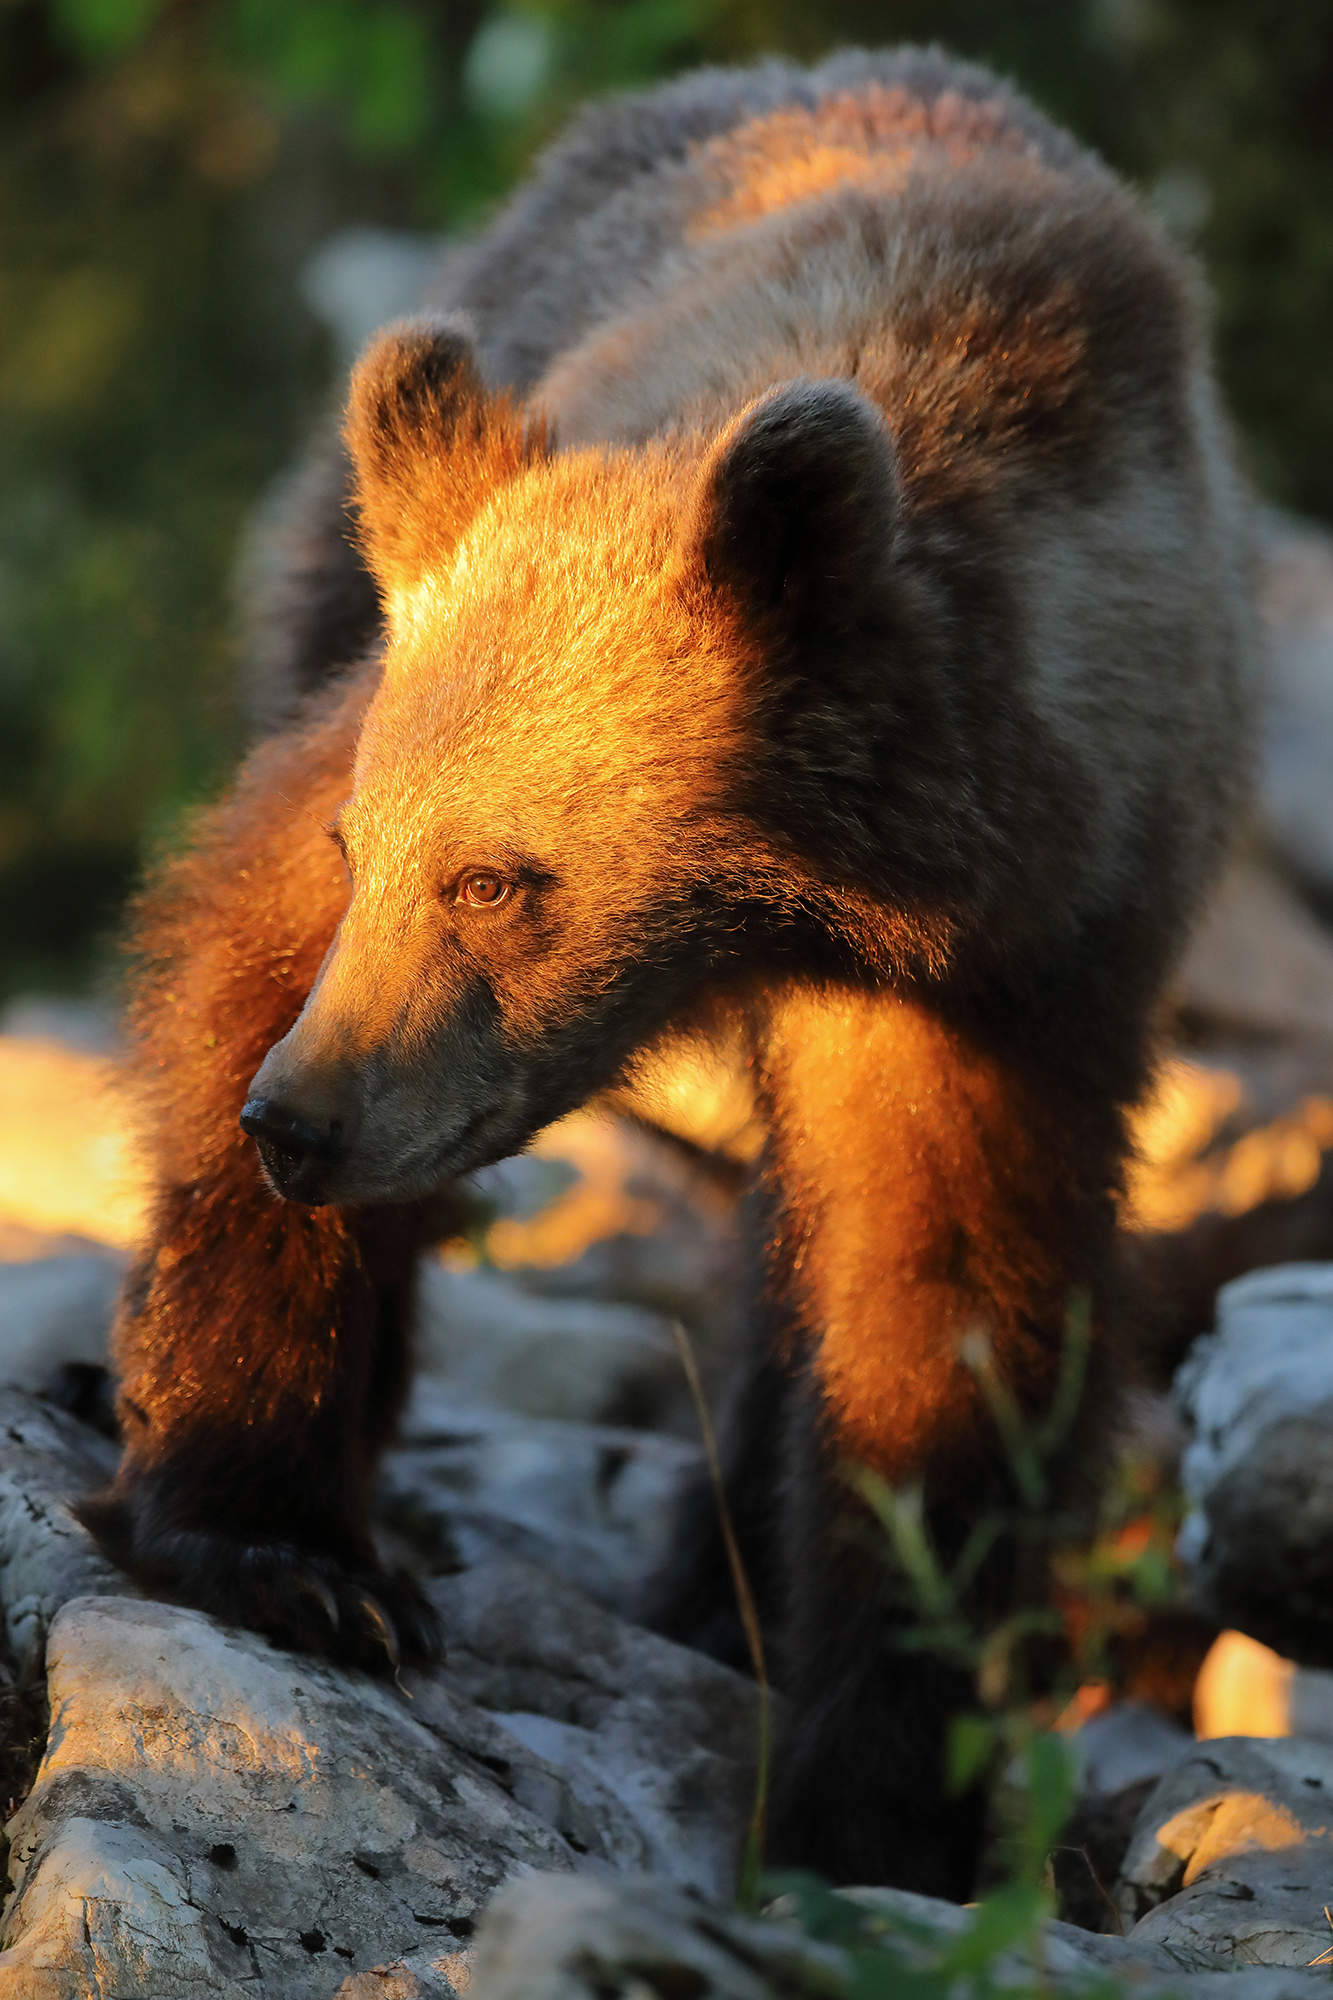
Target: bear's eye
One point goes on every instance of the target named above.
(483, 890)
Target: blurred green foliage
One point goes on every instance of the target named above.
(167, 167)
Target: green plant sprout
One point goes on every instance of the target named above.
(886, 1953)
(1008, 1743)
(1031, 1770)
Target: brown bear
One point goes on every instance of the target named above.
(806, 588)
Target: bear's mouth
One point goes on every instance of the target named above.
(483, 1139)
(295, 1176)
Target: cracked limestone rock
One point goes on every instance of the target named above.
(585, 1502)
(46, 1460)
(670, 1733)
(1231, 1860)
(580, 1360)
(426, 1975)
(578, 1939)
(54, 1310)
(637, 1938)
(1258, 1476)
(215, 1816)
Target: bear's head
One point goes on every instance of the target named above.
(601, 764)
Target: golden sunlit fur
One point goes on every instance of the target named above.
(799, 575)
(907, 1122)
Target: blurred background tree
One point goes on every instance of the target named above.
(169, 168)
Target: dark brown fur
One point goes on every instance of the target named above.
(249, 1321)
(845, 637)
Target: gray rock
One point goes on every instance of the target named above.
(1311, 1704)
(213, 1815)
(1259, 969)
(525, 1185)
(54, 1310)
(580, 1360)
(424, 1976)
(1128, 1742)
(1258, 1475)
(216, 1816)
(1121, 1755)
(637, 1940)
(46, 1461)
(86, 1025)
(607, 1210)
(589, 1817)
(576, 1939)
(1231, 1861)
(1067, 1950)
(671, 1734)
(590, 1504)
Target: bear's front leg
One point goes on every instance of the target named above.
(929, 1182)
(261, 1346)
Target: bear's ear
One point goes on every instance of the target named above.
(796, 507)
(429, 445)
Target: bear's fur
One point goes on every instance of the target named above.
(809, 591)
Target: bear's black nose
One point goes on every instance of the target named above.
(294, 1151)
(263, 1119)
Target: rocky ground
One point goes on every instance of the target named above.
(556, 1814)
(212, 1815)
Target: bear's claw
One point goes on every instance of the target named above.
(298, 1597)
(316, 1587)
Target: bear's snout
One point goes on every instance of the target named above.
(296, 1153)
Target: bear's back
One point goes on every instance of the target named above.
(894, 219)
(635, 180)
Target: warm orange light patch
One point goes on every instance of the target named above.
(1134, 1540)
(702, 1101)
(600, 1203)
(1093, 1698)
(1243, 1689)
(67, 1161)
(1233, 1823)
(934, 1195)
(1180, 1170)
(702, 1091)
(870, 139)
(783, 181)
